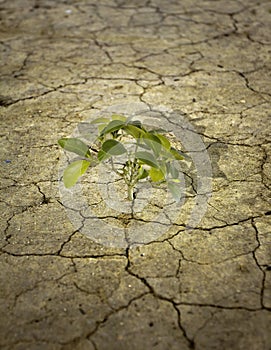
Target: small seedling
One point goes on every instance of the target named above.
(133, 153)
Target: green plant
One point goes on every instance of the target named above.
(133, 152)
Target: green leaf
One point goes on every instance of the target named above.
(102, 123)
(175, 190)
(176, 154)
(165, 142)
(100, 120)
(173, 171)
(118, 117)
(113, 147)
(133, 130)
(153, 142)
(147, 158)
(143, 173)
(142, 145)
(74, 171)
(156, 175)
(112, 126)
(137, 123)
(74, 145)
(101, 127)
(102, 155)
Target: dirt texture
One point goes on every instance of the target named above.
(208, 288)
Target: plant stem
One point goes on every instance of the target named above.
(130, 193)
(130, 177)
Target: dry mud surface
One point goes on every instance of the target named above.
(205, 289)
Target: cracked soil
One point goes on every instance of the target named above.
(204, 289)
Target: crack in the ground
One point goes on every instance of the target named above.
(236, 223)
(7, 101)
(37, 284)
(248, 85)
(157, 295)
(123, 307)
(216, 263)
(221, 307)
(217, 139)
(253, 224)
(265, 180)
(187, 15)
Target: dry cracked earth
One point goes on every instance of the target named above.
(206, 288)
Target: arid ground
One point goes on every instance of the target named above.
(205, 288)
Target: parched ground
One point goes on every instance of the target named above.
(205, 289)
